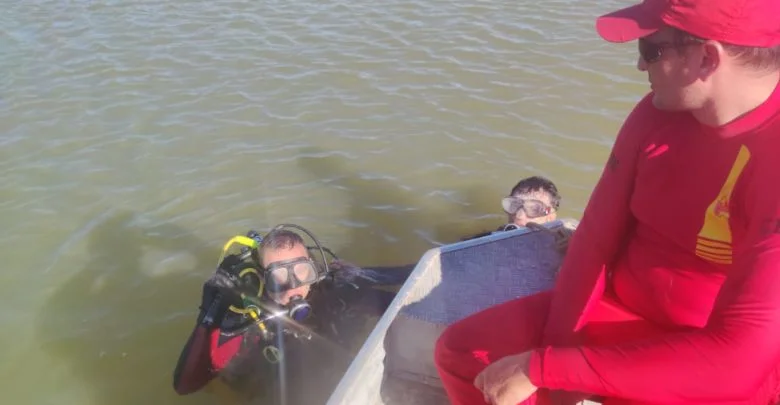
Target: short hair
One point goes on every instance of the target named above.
(281, 239)
(538, 183)
(760, 58)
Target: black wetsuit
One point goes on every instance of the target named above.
(345, 308)
(313, 355)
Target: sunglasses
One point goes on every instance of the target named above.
(652, 52)
(532, 208)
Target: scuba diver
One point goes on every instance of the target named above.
(531, 203)
(274, 313)
(274, 318)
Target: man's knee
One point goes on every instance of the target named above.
(441, 350)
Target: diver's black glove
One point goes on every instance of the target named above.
(222, 285)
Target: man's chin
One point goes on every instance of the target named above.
(664, 105)
(659, 103)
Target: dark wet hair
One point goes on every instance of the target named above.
(281, 239)
(538, 183)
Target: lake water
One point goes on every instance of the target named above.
(137, 137)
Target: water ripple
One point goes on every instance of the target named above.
(376, 126)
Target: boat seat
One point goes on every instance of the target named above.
(460, 280)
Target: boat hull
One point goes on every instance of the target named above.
(395, 364)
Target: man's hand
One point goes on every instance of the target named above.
(340, 264)
(346, 273)
(562, 235)
(506, 382)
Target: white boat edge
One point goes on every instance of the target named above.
(358, 381)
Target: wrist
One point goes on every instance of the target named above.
(534, 367)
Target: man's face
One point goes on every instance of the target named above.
(270, 256)
(674, 71)
(535, 206)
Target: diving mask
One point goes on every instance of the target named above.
(533, 208)
(286, 275)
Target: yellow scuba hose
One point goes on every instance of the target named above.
(240, 239)
(250, 310)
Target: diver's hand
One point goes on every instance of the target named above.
(346, 273)
(340, 264)
(563, 236)
(506, 382)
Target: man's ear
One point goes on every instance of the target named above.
(712, 53)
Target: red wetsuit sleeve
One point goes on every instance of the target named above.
(727, 360)
(601, 231)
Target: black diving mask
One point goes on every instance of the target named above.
(286, 275)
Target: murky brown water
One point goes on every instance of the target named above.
(137, 136)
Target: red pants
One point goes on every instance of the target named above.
(469, 345)
(466, 347)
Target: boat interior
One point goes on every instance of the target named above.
(395, 364)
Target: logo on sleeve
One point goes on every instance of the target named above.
(714, 240)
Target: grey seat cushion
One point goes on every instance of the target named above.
(467, 281)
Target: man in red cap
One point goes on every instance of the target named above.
(670, 291)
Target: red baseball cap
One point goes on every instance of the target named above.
(737, 22)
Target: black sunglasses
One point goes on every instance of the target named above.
(651, 52)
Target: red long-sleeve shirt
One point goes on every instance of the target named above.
(680, 211)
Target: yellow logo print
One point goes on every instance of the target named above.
(714, 240)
